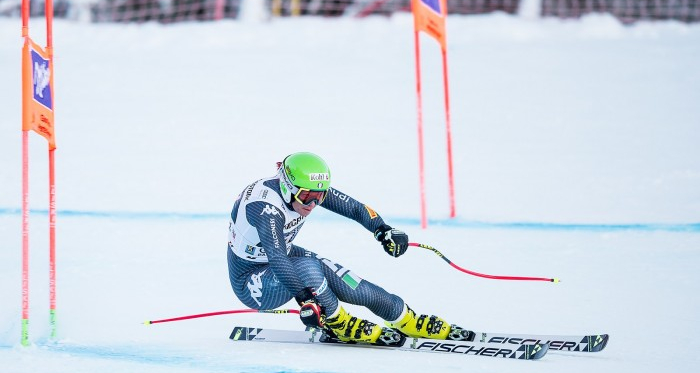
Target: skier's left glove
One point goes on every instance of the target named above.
(394, 241)
(311, 312)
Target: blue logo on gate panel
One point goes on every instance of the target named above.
(432, 4)
(41, 79)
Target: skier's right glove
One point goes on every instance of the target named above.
(394, 241)
(311, 312)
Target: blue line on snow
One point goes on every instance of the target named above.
(457, 223)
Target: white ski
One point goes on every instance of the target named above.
(524, 351)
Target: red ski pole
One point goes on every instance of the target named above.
(280, 311)
(520, 278)
(218, 313)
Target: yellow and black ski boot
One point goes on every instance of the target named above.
(346, 328)
(429, 326)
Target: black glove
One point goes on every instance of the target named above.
(395, 242)
(311, 313)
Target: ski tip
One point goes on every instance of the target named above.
(538, 351)
(556, 280)
(147, 322)
(533, 351)
(599, 343)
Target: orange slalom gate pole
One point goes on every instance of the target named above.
(25, 185)
(52, 186)
(450, 172)
(38, 115)
(429, 16)
(52, 246)
(25, 239)
(421, 157)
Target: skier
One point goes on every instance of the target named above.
(266, 269)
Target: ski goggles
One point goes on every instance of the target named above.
(306, 196)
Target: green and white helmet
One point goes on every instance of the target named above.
(303, 170)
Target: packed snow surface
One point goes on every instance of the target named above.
(575, 148)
